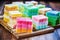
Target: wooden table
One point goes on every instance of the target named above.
(7, 33)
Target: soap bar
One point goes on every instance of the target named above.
(44, 10)
(6, 13)
(59, 18)
(28, 2)
(53, 17)
(15, 14)
(30, 11)
(11, 7)
(52, 13)
(34, 3)
(6, 19)
(40, 6)
(20, 6)
(18, 28)
(6, 16)
(10, 17)
(26, 25)
(12, 22)
(40, 21)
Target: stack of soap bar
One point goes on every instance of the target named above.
(11, 7)
(24, 25)
(44, 10)
(30, 11)
(20, 6)
(6, 16)
(11, 17)
(40, 21)
(53, 17)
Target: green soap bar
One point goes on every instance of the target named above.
(59, 18)
(21, 9)
(28, 5)
(53, 17)
(30, 11)
(53, 21)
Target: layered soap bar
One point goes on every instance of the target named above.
(34, 3)
(40, 21)
(30, 11)
(15, 14)
(44, 10)
(59, 18)
(6, 16)
(24, 25)
(6, 19)
(11, 7)
(53, 17)
(20, 6)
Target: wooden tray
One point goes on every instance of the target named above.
(26, 35)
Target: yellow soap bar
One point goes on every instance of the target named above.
(15, 14)
(12, 23)
(6, 19)
(6, 13)
(10, 7)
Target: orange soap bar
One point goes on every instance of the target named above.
(29, 31)
(18, 30)
(24, 30)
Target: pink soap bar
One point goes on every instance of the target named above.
(20, 20)
(26, 24)
(39, 18)
(30, 28)
(18, 28)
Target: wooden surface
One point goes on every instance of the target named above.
(5, 34)
(26, 35)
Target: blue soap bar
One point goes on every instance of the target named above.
(37, 27)
(52, 13)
